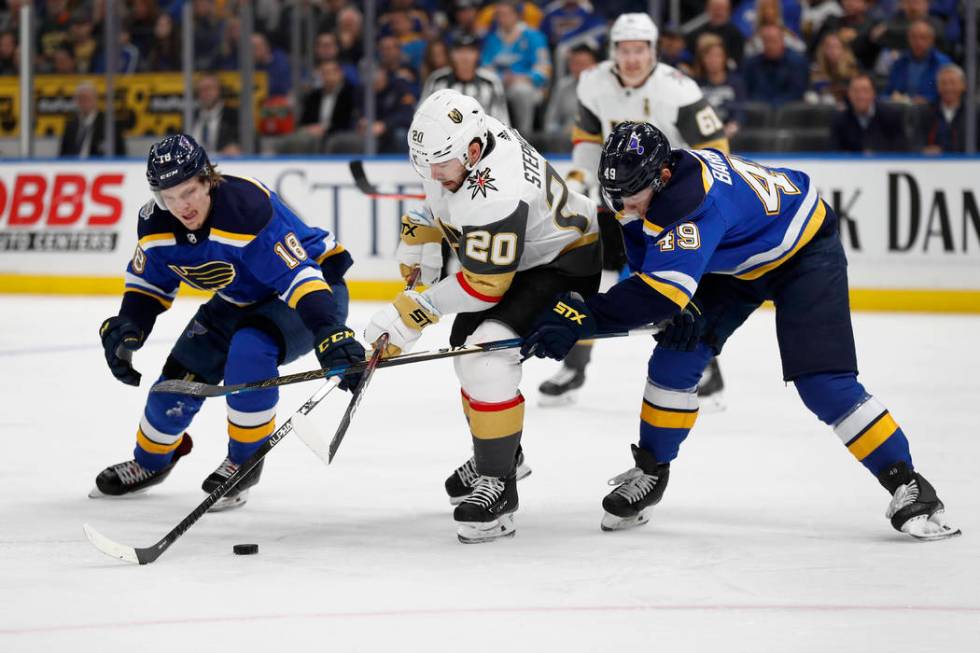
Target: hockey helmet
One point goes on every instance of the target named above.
(173, 160)
(443, 127)
(631, 161)
(634, 27)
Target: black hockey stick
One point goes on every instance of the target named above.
(372, 191)
(199, 389)
(380, 346)
(145, 556)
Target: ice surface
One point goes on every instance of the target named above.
(770, 537)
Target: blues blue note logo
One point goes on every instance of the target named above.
(634, 145)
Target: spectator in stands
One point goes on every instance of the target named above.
(84, 136)
(815, 14)
(891, 34)
(528, 13)
(274, 63)
(519, 55)
(672, 50)
(777, 75)
(53, 20)
(165, 53)
(350, 35)
(719, 22)
(9, 64)
(852, 27)
(395, 105)
(392, 59)
(129, 56)
(214, 125)
(770, 12)
(464, 20)
(833, 67)
(723, 89)
(866, 126)
(745, 16)
(63, 61)
(84, 44)
(141, 22)
(572, 21)
(209, 31)
(944, 125)
(418, 20)
(327, 109)
(436, 56)
(464, 75)
(410, 40)
(563, 104)
(325, 47)
(913, 76)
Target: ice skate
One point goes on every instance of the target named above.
(461, 482)
(711, 396)
(130, 478)
(488, 512)
(915, 509)
(238, 495)
(639, 489)
(562, 388)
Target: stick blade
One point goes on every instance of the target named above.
(110, 548)
(303, 427)
(193, 388)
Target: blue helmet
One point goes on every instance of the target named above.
(632, 158)
(174, 160)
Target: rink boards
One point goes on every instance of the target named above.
(911, 226)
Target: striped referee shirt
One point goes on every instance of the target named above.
(485, 87)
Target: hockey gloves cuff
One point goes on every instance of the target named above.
(120, 338)
(557, 331)
(336, 347)
(683, 331)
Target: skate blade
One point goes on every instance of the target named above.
(930, 529)
(713, 403)
(522, 472)
(96, 493)
(611, 522)
(230, 503)
(479, 532)
(556, 401)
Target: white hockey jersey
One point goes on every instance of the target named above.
(512, 213)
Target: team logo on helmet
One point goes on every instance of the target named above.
(634, 145)
(480, 182)
(456, 116)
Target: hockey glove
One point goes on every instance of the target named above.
(683, 331)
(336, 346)
(557, 331)
(403, 321)
(120, 338)
(420, 247)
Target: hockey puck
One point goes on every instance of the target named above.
(245, 549)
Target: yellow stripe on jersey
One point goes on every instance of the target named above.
(667, 419)
(579, 135)
(811, 229)
(706, 179)
(259, 184)
(150, 446)
(244, 238)
(673, 293)
(338, 248)
(717, 144)
(587, 239)
(651, 228)
(152, 238)
(863, 445)
(166, 304)
(251, 434)
(304, 289)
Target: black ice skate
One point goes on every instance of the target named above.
(915, 509)
(710, 389)
(488, 512)
(460, 483)
(562, 388)
(639, 488)
(128, 478)
(238, 495)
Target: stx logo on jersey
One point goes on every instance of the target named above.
(570, 313)
(634, 145)
(480, 182)
(213, 275)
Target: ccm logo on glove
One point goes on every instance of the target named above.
(334, 338)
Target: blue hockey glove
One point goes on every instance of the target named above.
(120, 338)
(557, 330)
(336, 346)
(683, 331)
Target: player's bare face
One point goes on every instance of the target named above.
(634, 60)
(189, 201)
(451, 174)
(637, 205)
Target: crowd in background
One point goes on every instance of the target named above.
(881, 75)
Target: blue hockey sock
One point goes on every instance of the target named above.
(252, 356)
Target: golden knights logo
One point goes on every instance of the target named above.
(213, 275)
(480, 182)
(456, 116)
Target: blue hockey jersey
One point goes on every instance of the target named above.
(251, 247)
(718, 214)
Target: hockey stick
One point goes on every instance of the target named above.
(145, 556)
(198, 389)
(372, 191)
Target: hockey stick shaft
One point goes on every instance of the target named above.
(147, 555)
(372, 191)
(198, 389)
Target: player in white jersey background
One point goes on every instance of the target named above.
(521, 238)
(632, 86)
